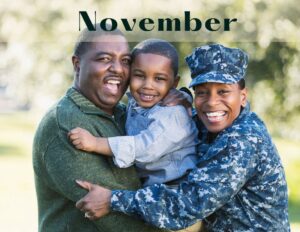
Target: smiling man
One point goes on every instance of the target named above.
(101, 63)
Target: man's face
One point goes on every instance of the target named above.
(218, 105)
(102, 71)
(151, 79)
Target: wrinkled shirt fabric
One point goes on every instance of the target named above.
(161, 141)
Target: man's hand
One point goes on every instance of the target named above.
(83, 140)
(176, 97)
(96, 203)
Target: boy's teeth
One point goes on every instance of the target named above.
(147, 97)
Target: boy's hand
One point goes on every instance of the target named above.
(176, 97)
(82, 139)
(96, 203)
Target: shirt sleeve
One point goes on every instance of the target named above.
(171, 129)
(208, 188)
(65, 164)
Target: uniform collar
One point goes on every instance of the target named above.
(88, 107)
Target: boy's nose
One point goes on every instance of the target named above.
(147, 84)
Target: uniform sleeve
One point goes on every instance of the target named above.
(208, 188)
(64, 165)
(170, 130)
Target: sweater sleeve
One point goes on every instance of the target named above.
(64, 165)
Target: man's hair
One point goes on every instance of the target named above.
(86, 37)
(242, 83)
(158, 47)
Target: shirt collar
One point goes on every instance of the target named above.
(88, 107)
(134, 106)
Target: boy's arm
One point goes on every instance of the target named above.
(84, 140)
(170, 130)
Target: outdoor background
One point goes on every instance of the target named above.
(36, 42)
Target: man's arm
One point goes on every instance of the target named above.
(208, 188)
(65, 164)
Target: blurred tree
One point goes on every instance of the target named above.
(37, 39)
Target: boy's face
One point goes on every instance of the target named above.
(151, 78)
(218, 105)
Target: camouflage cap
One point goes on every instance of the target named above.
(216, 63)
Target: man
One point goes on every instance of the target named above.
(101, 63)
(239, 184)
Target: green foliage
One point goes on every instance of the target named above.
(36, 45)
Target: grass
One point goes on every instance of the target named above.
(18, 203)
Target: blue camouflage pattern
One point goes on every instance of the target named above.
(238, 185)
(216, 63)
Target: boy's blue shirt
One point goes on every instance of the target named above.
(160, 140)
(239, 185)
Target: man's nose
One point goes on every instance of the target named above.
(116, 66)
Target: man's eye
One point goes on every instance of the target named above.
(104, 59)
(126, 61)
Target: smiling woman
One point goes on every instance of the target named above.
(161, 24)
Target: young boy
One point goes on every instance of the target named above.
(239, 183)
(160, 140)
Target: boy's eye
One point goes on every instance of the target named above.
(138, 75)
(160, 78)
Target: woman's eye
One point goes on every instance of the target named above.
(200, 93)
(222, 92)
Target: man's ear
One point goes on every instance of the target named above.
(76, 64)
(244, 93)
(176, 81)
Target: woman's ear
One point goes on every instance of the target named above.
(244, 93)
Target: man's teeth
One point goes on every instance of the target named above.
(113, 82)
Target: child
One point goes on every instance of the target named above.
(239, 183)
(160, 140)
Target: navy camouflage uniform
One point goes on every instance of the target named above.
(239, 183)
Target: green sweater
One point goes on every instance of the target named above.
(57, 164)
